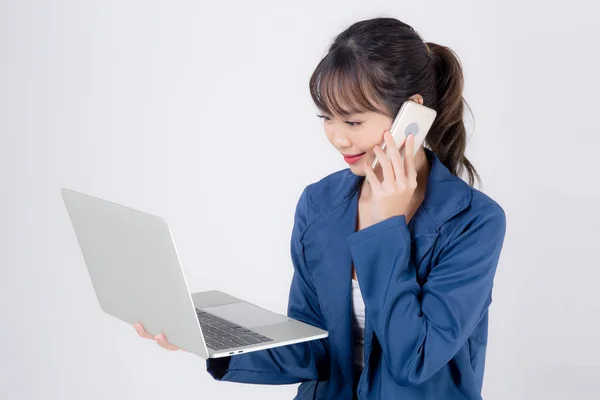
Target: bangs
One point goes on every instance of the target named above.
(339, 86)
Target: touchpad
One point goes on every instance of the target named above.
(246, 314)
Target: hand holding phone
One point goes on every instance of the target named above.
(411, 118)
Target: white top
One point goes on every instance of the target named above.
(358, 324)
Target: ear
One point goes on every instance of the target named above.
(417, 98)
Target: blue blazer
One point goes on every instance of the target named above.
(426, 286)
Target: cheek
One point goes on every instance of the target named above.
(368, 137)
(366, 143)
(328, 129)
(329, 135)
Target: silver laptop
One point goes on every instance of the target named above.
(137, 276)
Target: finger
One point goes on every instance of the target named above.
(395, 157)
(386, 165)
(389, 141)
(141, 331)
(372, 178)
(409, 158)
(162, 342)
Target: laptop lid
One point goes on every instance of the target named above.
(135, 269)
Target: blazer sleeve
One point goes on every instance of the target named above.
(294, 363)
(421, 329)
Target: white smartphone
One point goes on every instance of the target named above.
(412, 118)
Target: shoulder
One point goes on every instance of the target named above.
(326, 194)
(483, 204)
(332, 190)
(482, 216)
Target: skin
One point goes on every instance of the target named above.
(396, 186)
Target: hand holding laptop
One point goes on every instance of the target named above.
(160, 339)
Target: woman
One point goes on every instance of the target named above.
(398, 267)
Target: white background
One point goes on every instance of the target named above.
(200, 112)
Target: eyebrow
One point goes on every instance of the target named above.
(344, 116)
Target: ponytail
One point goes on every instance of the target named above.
(448, 136)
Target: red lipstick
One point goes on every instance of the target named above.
(352, 158)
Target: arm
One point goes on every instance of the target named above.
(293, 363)
(422, 328)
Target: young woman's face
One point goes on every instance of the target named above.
(355, 136)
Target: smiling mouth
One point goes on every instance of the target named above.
(353, 155)
(352, 158)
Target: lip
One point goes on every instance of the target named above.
(352, 158)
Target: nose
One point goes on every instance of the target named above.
(339, 139)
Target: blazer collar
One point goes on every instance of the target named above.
(445, 195)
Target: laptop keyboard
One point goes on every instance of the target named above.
(220, 334)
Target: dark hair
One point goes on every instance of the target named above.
(382, 62)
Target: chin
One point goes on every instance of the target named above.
(357, 169)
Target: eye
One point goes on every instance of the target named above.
(351, 123)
